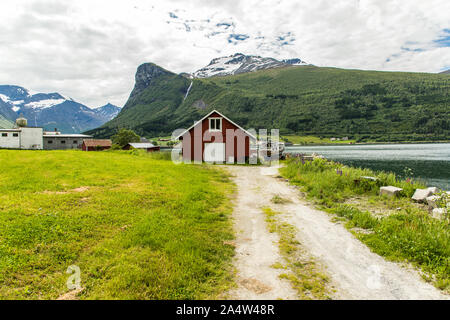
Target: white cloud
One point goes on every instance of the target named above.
(90, 49)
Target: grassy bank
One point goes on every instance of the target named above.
(313, 140)
(392, 227)
(137, 226)
(362, 139)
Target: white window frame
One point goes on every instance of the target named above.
(215, 130)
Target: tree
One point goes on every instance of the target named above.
(124, 137)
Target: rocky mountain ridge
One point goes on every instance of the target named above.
(240, 63)
(52, 110)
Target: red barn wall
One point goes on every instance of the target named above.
(210, 137)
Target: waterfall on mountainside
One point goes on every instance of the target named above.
(188, 90)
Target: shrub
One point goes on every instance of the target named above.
(124, 137)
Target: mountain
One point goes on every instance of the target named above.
(446, 72)
(156, 96)
(6, 109)
(240, 63)
(5, 124)
(107, 112)
(305, 100)
(52, 110)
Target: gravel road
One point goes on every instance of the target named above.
(355, 271)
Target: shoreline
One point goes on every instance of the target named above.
(366, 143)
(428, 162)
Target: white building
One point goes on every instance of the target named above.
(22, 137)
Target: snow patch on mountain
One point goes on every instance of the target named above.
(4, 98)
(108, 111)
(240, 63)
(44, 104)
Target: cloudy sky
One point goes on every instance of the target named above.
(90, 49)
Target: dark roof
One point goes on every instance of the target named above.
(97, 143)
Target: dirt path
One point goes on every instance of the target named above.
(256, 249)
(355, 271)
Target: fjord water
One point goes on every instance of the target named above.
(430, 163)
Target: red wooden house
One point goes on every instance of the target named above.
(215, 138)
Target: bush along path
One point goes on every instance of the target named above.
(393, 227)
(286, 249)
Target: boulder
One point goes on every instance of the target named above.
(200, 104)
(438, 213)
(421, 195)
(434, 190)
(390, 191)
(432, 201)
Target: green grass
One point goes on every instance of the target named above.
(302, 271)
(409, 234)
(279, 200)
(144, 228)
(305, 140)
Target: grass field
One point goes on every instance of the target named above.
(395, 228)
(137, 226)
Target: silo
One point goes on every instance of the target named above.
(21, 122)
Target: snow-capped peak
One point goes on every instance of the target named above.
(52, 110)
(240, 63)
(21, 98)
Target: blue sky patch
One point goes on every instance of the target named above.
(412, 50)
(444, 39)
(285, 39)
(212, 34)
(234, 37)
(284, 36)
(393, 56)
(226, 25)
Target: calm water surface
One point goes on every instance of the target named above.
(429, 162)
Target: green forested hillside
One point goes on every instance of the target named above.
(304, 100)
